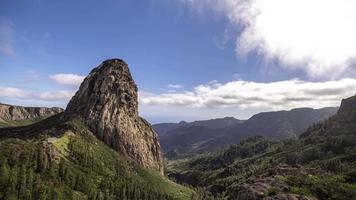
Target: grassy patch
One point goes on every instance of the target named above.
(62, 142)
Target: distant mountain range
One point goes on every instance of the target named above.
(200, 136)
(319, 164)
(17, 115)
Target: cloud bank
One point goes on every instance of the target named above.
(28, 95)
(280, 95)
(67, 79)
(316, 36)
(11, 92)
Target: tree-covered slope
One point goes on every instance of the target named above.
(319, 165)
(66, 161)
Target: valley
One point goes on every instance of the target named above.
(99, 148)
(178, 100)
(320, 164)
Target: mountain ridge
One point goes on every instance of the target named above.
(319, 164)
(11, 115)
(192, 138)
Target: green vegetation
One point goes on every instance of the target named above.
(76, 165)
(323, 187)
(224, 171)
(14, 123)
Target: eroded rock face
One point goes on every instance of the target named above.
(347, 110)
(107, 101)
(9, 112)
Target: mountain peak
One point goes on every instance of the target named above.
(110, 82)
(107, 101)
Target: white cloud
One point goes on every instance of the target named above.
(175, 86)
(8, 93)
(242, 94)
(62, 95)
(11, 92)
(317, 36)
(67, 79)
(6, 38)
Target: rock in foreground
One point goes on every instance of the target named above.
(107, 102)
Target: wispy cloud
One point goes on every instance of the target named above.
(316, 36)
(61, 95)
(175, 86)
(30, 95)
(31, 75)
(67, 79)
(246, 94)
(12, 92)
(7, 38)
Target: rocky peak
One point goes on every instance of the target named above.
(347, 110)
(107, 102)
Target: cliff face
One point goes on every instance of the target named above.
(11, 113)
(107, 102)
(347, 111)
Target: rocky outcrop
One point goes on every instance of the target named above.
(107, 102)
(13, 113)
(270, 186)
(347, 110)
(343, 123)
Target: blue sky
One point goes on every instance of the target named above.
(174, 49)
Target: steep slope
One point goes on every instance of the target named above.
(200, 136)
(99, 148)
(17, 115)
(107, 102)
(67, 161)
(319, 165)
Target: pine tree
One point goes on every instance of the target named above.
(22, 183)
(4, 174)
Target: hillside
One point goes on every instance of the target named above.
(17, 115)
(182, 139)
(98, 148)
(319, 165)
(69, 162)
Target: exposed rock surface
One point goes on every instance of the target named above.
(107, 102)
(343, 123)
(270, 187)
(9, 112)
(347, 109)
